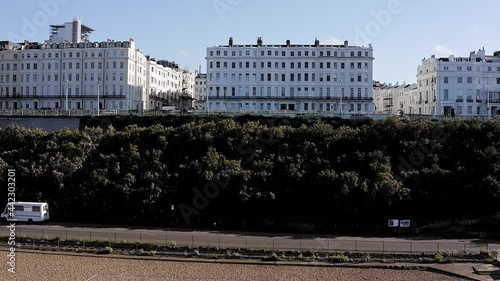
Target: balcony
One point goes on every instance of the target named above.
(31, 97)
(289, 98)
(460, 100)
(470, 100)
(495, 101)
(479, 100)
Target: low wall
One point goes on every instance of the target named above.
(47, 124)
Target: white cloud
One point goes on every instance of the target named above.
(443, 51)
(333, 41)
(183, 53)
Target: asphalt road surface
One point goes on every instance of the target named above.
(252, 240)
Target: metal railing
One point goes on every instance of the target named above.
(229, 113)
(224, 241)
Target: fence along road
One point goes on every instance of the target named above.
(253, 240)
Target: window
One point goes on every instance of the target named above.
(459, 80)
(469, 80)
(446, 80)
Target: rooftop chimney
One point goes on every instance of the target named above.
(316, 42)
(259, 41)
(346, 43)
(288, 43)
(231, 42)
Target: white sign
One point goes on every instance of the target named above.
(404, 223)
(393, 223)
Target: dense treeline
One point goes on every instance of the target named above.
(258, 173)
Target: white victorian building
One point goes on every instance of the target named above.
(288, 77)
(460, 86)
(69, 72)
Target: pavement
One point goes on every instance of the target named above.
(267, 241)
(466, 270)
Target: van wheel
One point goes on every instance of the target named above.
(30, 221)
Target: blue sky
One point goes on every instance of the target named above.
(402, 31)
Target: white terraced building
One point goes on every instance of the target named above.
(297, 78)
(460, 86)
(80, 75)
(394, 99)
(200, 91)
(36, 76)
(169, 85)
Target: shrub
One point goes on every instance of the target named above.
(340, 258)
(107, 250)
(272, 257)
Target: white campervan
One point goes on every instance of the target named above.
(169, 108)
(26, 212)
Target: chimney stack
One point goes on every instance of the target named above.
(346, 43)
(259, 41)
(316, 42)
(231, 42)
(288, 43)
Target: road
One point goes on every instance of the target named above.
(252, 240)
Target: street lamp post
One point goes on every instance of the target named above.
(208, 104)
(98, 104)
(66, 107)
(341, 94)
(488, 102)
